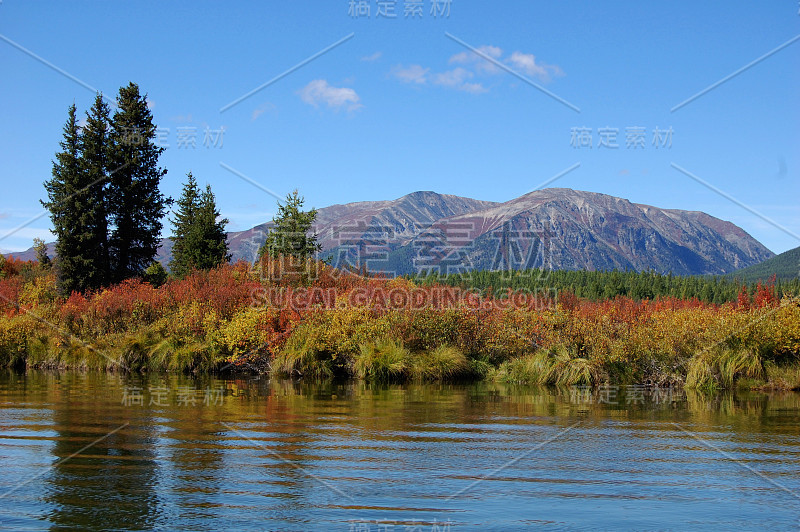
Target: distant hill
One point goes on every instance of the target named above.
(784, 266)
(556, 228)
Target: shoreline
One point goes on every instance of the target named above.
(344, 325)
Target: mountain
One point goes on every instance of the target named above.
(555, 228)
(785, 266)
(394, 222)
(566, 229)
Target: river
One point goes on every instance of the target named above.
(107, 451)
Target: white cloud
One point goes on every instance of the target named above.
(4, 215)
(481, 64)
(526, 64)
(372, 57)
(474, 88)
(453, 78)
(457, 79)
(472, 64)
(411, 74)
(261, 109)
(319, 91)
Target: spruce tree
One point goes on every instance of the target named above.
(95, 167)
(199, 239)
(182, 239)
(290, 234)
(66, 202)
(136, 204)
(213, 241)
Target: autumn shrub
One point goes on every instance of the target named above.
(786, 325)
(504, 334)
(10, 290)
(252, 329)
(38, 291)
(130, 304)
(189, 322)
(12, 267)
(15, 334)
(225, 289)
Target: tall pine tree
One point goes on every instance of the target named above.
(95, 166)
(182, 238)
(199, 240)
(211, 230)
(67, 199)
(136, 204)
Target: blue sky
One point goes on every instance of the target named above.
(399, 106)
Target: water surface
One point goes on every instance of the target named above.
(104, 451)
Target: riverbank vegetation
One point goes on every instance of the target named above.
(301, 318)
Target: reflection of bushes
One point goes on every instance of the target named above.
(231, 315)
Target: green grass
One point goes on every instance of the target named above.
(440, 363)
(722, 367)
(555, 366)
(384, 360)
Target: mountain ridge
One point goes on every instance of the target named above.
(560, 228)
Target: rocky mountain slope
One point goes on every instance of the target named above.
(555, 228)
(585, 230)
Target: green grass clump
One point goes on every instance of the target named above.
(738, 363)
(700, 374)
(782, 377)
(299, 358)
(384, 360)
(575, 371)
(721, 368)
(440, 363)
(530, 369)
(550, 366)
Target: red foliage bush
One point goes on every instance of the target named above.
(10, 289)
(766, 295)
(225, 289)
(12, 267)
